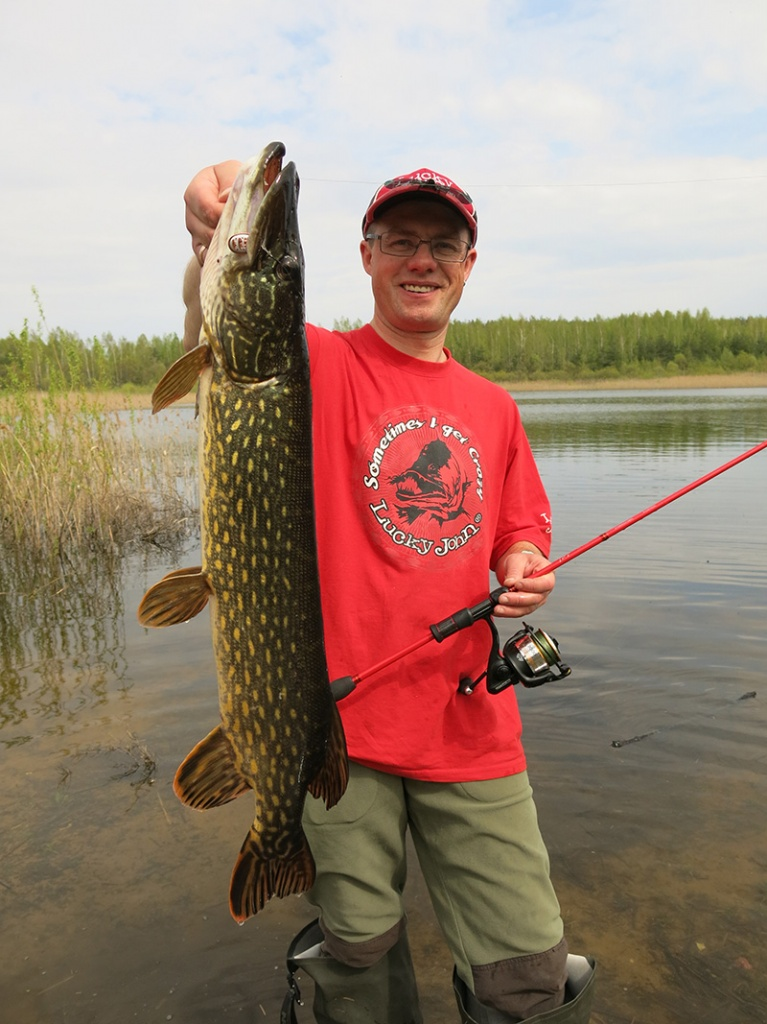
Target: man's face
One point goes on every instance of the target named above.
(416, 294)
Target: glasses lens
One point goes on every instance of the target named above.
(393, 243)
(449, 250)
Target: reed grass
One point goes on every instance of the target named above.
(76, 478)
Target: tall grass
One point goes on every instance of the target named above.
(76, 479)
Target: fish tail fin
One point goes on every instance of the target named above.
(260, 874)
(329, 784)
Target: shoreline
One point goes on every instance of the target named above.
(116, 400)
(681, 382)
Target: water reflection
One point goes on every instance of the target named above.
(580, 424)
(114, 896)
(61, 642)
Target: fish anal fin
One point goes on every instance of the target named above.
(178, 597)
(260, 874)
(329, 784)
(179, 379)
(208, 776)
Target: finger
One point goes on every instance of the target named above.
(531, 584)
(203, 206)
(516, 603)
(537, 585)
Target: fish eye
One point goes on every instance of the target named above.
(286, 267)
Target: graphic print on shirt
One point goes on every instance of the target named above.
(421, 479)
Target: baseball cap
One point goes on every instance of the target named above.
(429, 183)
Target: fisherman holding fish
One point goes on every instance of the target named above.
(423, 482)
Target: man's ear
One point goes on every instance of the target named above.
(366, 252)
(471, 259)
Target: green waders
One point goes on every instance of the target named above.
(576, 1009)
(382, 994)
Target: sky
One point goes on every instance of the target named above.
(616, 150)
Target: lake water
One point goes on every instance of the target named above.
(649, 762)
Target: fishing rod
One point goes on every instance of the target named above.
(531, 656)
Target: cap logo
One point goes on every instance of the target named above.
(429, 181)
(435, 179)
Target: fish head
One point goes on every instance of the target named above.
(252, 288)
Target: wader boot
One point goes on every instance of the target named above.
(382, 994)
(576, 1009)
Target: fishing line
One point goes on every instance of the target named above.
(531, 656)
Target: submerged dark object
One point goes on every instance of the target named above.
(633, 739)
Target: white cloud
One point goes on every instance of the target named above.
(545, 111)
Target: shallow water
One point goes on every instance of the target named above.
(649, 762)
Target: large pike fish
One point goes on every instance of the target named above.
(280, 733)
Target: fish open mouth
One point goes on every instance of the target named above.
(238, 242)
(274, 234)
(271, 221)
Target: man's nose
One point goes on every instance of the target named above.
(423, 253)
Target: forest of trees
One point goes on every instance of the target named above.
(633, 345)
(64, 360)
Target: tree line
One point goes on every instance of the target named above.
(63, 360)
(631, 345)
(522, 348)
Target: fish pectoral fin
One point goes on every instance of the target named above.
(179, 379)
(208, 776)
(178, 597)
(329, 784)
(260, 873)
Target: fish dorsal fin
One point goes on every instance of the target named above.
(208, 776)
(178, 597)
(179, 379)
(329, 784)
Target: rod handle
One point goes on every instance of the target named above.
(465, 617)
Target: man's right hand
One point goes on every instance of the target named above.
(205, 198)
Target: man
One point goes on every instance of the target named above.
(424, 481)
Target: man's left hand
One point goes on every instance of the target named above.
(523, 596)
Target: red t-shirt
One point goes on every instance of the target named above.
(423, 479)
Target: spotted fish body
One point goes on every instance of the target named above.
(280, 734)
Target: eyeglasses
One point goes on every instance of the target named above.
(444, 250)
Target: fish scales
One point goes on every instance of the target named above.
(280, 734)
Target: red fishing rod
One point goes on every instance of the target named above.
(531, 655)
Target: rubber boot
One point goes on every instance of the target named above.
(382, 994)
(576, 1009)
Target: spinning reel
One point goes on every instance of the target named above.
(530, 657)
